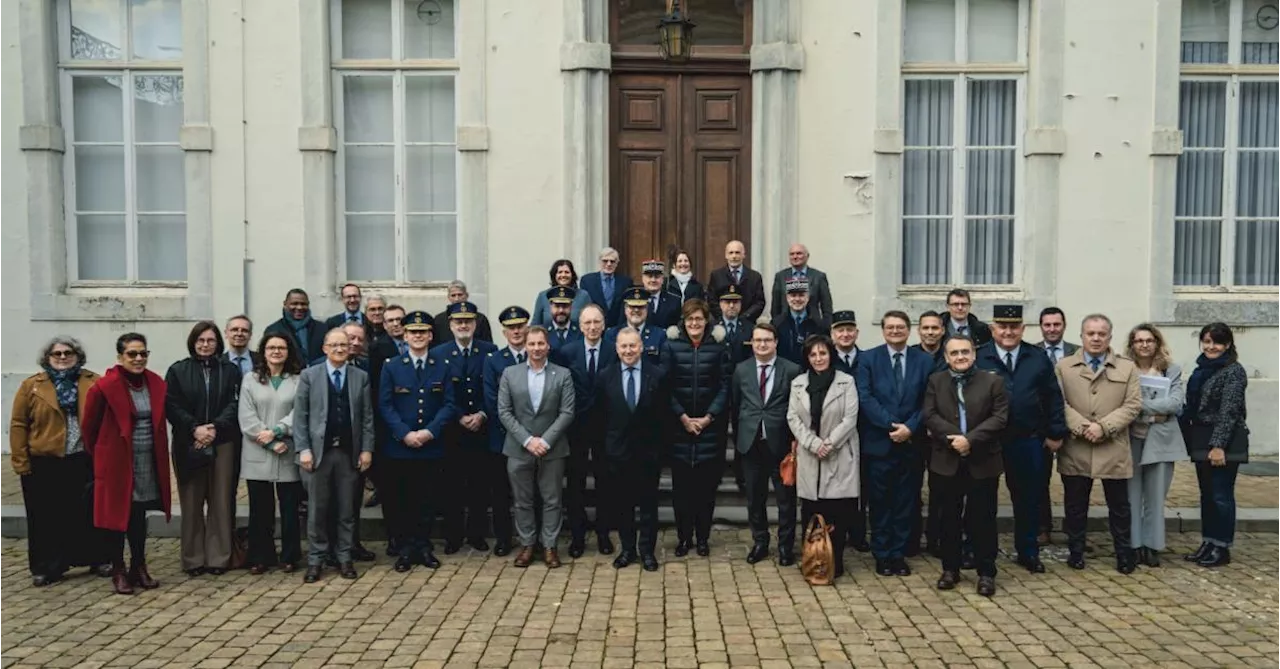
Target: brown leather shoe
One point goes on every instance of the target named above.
(525, 557)
(120, 581)
(139, 576)
(552, 560)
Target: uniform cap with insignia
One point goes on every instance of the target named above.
(418, 321)
(514, 316)
(731, 292)
(653, 267)
(846, 317)
(635, 296)
(459, 310)
(561, 295)
(1006, 313)
(797, 284)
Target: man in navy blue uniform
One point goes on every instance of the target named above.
(416, 402)
(563, 330)
(844, 334)
(652, 340)
(664, 307)
(796, 323)
(466, 439)
(891, 383)
(1036, 422)
(737, 330)
(491, 476)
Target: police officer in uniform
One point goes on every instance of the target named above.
(563, 330)
(468, 437)
(737, 330)
(844, 334)
(491, 480)
(653, 340)
(416, 402)
(664, 308)
(796, 323)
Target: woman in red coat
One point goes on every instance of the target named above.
(124, 431)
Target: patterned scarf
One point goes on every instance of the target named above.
(960, 379)
(67, 385)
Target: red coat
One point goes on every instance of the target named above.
(108, 437)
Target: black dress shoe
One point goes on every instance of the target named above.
(900, 568)
(1195, 557)
(312, 575)
(604, 545)
(451, 547)
(986, 586)
(682, 547)
(650, 562)
(362, 554)
(576, 548)
(348, 570)
(215, 571)
(1153, 557)
(193, 572)
(502, 549)
(787, 558)
(883, 567)
(1216, 556)
(41, 580)
(479, 544)
(429, 560)
(948, 580)
(624, 560)
(403, 563)
(1033, 565)
(704, 549)
(758, 552)
(1075, 560)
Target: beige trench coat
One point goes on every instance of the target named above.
(836, 476)
(1112, 398)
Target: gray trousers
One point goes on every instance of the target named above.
(1147, 491)
(207, 497)
(331, 489)
(547, 476)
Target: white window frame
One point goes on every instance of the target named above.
(126, 68)
(961, 72)
(1232, 73)
(398, 69)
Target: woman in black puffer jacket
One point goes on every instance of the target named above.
(699, 371)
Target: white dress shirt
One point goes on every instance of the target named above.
(1002, 353)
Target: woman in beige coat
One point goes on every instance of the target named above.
(823, 416)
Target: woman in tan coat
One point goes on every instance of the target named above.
(823, 416)
(47, 452)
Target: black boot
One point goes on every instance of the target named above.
(1195, 557)
(1216, 556)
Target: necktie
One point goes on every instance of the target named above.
(796, 274)
(1095, 363)
(1008, 361)
(631, 387)
(419, 365)
(607, 280)
(1053, 353)
(737, 275)
(337, 380)
(898, 369)
(520, 358)
(591, 364)
(352, 318)
(239, 360)
(466, 354)
(653, 304)
(764, 380)
(848, 360)
(798, 321)
(732, 329)
(401, 347)
(963, 329)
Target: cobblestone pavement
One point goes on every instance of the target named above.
(716, 612)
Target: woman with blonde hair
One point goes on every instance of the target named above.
(1155, 440)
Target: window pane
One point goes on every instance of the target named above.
(638, 21)
(367, 109)
(371, 243)
(428, 29)
(990, 177)
(1202, 113)
(993, 106)
(366, 29)
(719, 22)
(993, 31)
(370, 179)
(430, 181)
(428, 113)
(162, 248)
(1258, 118)
(1259, 36)
(990, 182)
(432, 248)
(157, 107)
(1256, 253)
(1197, 253)
(926, 182)
(157, 29)
(97, 30)
(1199, 184)
(160, 179)
(927, 107)
(99, 178)
(1205, 26)
(926, 251)
(100, 248)
(988, 247)
(1258, 179)
(98, 109)
(929, 31)
(928, 122)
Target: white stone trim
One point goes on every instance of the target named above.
(473, 146)
(777, 56)
(887, 165)
(775, 81)
(317, 140)
(585, 58)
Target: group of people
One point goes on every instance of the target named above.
(616, 380)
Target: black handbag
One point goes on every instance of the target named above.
(1199, 434)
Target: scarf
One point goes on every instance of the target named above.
(66, 384)
(961, 379)
(819, 384)
(1205, 369)
(682, 279)
(299, 329)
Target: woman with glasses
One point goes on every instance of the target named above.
(47, 451)
(1155, 440)
(562, 274)
(124, 432)
(266, 460)
(202, 405)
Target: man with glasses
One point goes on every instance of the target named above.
(350, 309)
(443, 333)
(239, 332)
(963, 322)
(607, 286)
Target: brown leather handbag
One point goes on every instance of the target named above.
(817, 559)
(787, 468)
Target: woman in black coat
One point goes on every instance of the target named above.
(698, 371)
(682, 283)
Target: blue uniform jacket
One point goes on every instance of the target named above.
(466, 373)
(791, 342)
(558, 339)
(879, 402)
(653, 339)
(494, 364)
(409, 401)
(1035, 398)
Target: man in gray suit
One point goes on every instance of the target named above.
(333, 436)
(819, 289)
(761, 390)
(1053, 323)
(536, 407)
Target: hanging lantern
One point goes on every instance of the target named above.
(675, 35)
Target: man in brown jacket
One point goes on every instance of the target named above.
(1102, 397)
(965, 409)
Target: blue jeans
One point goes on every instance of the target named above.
(1217, 502)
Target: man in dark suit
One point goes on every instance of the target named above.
(606, 286)
(961, 321)
(585, 358)
(632, 406)
(563, 330)
(819, 290)
(796, 324)
(1053, 326)
(297, 324)
(760, 393)
(239, 333)
(493, 481)
(965, 410)
(1035, 428)
(351, 298)
(844, 334)
(444, 334)
(748, 281)
(931, 329)
(891, 384)
(664, 307)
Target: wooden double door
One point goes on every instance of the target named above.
(680, 164)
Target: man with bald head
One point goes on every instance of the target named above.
(819, 289)
(735, 272)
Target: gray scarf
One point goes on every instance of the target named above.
(960, 379)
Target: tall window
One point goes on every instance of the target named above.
(1225, 225)
(963, 68)
(395, 65)
(120, 65)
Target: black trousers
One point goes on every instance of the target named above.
(968, 504)
(759, 467)
(1076, 490)
(858, 523)
(489, 488)
(918, 468)
(135, 533)
(414, 491)
(632, 486)
(262, 522)
(694, 497)
(585, 452)
(456, 479)
(58, 499)
(1046, 505)
(838, 513)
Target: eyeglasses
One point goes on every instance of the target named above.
(762, 341)
(277, 348)
(207, 342)
(609, 261)
(134, 355)
(62, 354)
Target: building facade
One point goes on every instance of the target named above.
(166, 161)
